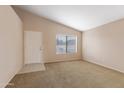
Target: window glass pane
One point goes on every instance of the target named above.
(71, 44)
(61, 44)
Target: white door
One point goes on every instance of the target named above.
(33, 47)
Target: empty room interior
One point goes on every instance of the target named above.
(61, 46)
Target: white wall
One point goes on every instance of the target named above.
(104, 45)
(11, 44)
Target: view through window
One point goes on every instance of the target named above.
(66, 44)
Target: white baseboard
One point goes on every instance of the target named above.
(61, 61)
(109, 67)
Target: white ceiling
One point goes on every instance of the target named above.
(80, 17)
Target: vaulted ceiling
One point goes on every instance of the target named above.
(80, 17)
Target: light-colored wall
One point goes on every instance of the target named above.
(11, 49)
(49, 30)
(104, 45)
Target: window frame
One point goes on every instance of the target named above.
(66, 46)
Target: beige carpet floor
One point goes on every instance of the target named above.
(76, 74)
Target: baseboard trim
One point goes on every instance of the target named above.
(4, 86)
(48, 62)
(111, 68)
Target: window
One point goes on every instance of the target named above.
(71, 44)
(66, 44)
(61, 44)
